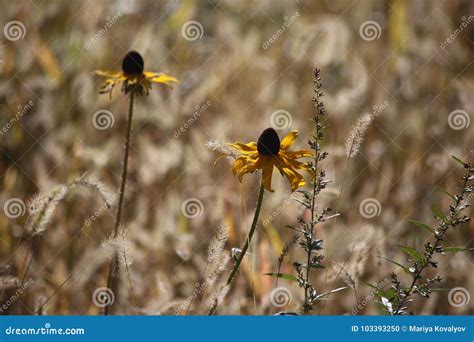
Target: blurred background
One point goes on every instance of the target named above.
(243, 66)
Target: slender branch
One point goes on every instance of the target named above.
(319, 110)
(253, 228)
(313, 204)
(429, 255)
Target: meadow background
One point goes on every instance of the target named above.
(243, 66)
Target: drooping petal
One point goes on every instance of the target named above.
(290, 172)
(288, 140)
(243, 165)
(239, 165)
(146, 84)
(253, 164)
(245, 149)
(267, 171)
(295, 164)
(299, 154)
(251, 159)
(108, 73)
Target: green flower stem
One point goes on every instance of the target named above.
(253, 228)
(112, 281)
(118, 220)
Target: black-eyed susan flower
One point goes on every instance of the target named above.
(133, 77)
(134, 80)
(266, 153)
(269, 152)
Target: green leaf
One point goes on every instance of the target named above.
(463, 163)
(411, 252)
(438, 213)
(286, 276)
(457, 249)
(396, 263)
(389, 293)
(422, 225)
(446, 193)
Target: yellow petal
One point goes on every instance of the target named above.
(288, 170)
(299, 154)
(108, 73)
(288, 140)
(296, 164)
(149, 74)
(245, 149)
(243, 165)
(267, 171)
(160, 78)
(239, 165)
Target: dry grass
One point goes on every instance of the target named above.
(230, 86)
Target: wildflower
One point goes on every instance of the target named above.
(268, 152)
(133, 77)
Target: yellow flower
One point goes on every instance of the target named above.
(133, 77)
(269, 152)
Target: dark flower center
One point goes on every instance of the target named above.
(133, 63)
(268, 143)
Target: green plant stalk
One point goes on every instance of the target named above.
(313, 208)
(313, 203)
(253, 228)
(438, 239)
(112, 281)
